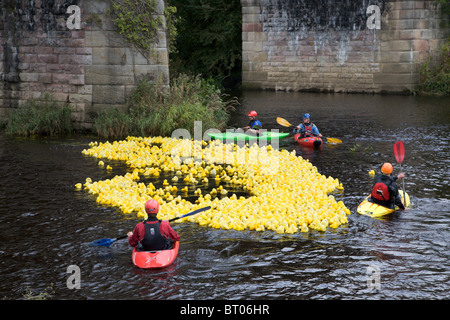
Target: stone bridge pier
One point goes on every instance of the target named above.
(71, 49)
(367, 46)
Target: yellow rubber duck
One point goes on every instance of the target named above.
(304, 228)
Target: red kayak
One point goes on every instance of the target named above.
(155, 259)
(313, 142)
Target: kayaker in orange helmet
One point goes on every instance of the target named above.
(152, 234)
(385, 189)
(307, 128)
(254, 125)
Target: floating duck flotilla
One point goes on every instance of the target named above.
(286, 193)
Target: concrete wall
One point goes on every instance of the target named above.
(43, 48)
(338, 46)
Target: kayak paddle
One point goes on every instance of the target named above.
(285, 123)
(108, 242)
(399, 151)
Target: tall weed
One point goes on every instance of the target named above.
(435, 77)
(155, 110)
(40, 116)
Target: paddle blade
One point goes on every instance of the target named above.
(334, 140)
(102, 242)
(284, 122)
(399, 151)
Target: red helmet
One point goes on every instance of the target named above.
(152, 206)
(252, 113)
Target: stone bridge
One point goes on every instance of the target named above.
(370, 46)
(71, 49)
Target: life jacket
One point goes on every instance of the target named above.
(381, 192)
(254, 122)
(308, 130)
(153, 239)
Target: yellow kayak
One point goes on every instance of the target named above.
(375, 210)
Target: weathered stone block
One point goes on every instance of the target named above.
(107, 55)
(252, 46)
(60, 78)
(110, 94)
(254, 76)
(76, 79)
(29, 77)
(108, 74)
(395, 79)
(251, 27)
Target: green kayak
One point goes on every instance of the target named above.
(238, 136)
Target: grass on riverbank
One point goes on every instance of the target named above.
(40, 116)
(151, 110)
(154, 110)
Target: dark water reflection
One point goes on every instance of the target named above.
(45, 224)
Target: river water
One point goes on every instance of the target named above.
(46, 225)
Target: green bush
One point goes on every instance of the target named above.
(40, 116)
(155, 110)
(435, 77)
(136, 21)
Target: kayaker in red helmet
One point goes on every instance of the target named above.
(254, 125)
(385, 189)
(152, 234)
(307, 128)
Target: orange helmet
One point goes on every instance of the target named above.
(152, 206)
(252, 113)
(386, 168)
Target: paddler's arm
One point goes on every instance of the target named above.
(136, 236)
(167, 231)
(316, 131)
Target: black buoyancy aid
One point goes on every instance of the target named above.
(253, 123)
(153, 239)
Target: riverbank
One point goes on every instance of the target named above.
(151, 110)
